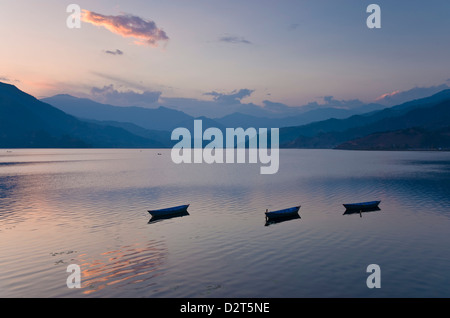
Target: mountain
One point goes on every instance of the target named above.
(161, 118)
(319, 114)
(415, 138)
(27, 122)
(332, 132)
(160, 136)
(167, 119)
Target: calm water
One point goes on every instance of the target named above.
(89, 207)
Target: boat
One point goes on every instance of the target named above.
(169, 211)
(362, 206)
(285, 213)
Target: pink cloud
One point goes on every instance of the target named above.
(145, 31)
(387, 95)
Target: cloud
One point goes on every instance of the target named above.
(234, 39)
(145, 31)
(293, 26)
(387, 96)
(110, 95)
(398, 97)
(331, 102)
(116, 52)
(276, 107)
(232, 98)
(8, 79)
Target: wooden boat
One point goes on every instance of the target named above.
(169, 211)
(285, 213)
(362, 205)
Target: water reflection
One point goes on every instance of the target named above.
(97, 206)
(282, 219)
(155, 219)
(361, 211)
(122, 267)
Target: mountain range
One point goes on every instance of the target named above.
(431, 113)
(164, 118)
(26, 122)
(65, 121)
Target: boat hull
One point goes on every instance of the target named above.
(286, 213)
(169, 211)
(362, 205)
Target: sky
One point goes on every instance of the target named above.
(182, 52)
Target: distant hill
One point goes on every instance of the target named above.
(319, 114)
(406, 139)
(160, 136)
(27, 122)
(167, 119)
(161, 118)
(427, 112)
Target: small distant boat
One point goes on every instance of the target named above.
(362, 205)
(169, 211)
(285, 213)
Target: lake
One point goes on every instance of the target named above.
(89, 207)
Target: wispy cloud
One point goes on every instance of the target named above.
(121, 81)
(116, 52)
(145, 31)
(293, 26)
(387, 95)
(8, 79)
(398, 97)
(331, 102)
(232, 98)
(234, 39)
(110, 95)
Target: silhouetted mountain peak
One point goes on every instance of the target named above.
(27, 122)
(13, 91)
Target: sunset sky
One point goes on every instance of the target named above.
(288, 51)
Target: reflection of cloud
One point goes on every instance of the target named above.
(234, 39)
(128, 265)
(110, 95)
(145, 31)
(116, 52)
